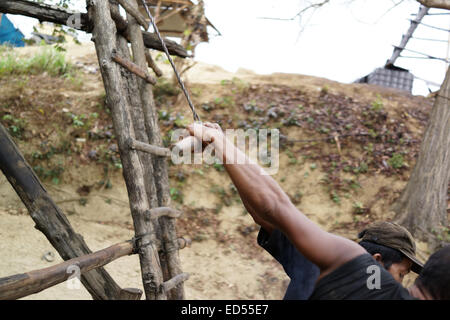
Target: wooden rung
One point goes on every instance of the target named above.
(145, 147)
(172, 283)
(170, 13)
(130, 294)
(135, 13)
(151, 63)
(184, 242)
(163, 212)
(21, 285)
(134, 68)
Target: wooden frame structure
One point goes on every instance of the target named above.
(173, 17)
(130, 98)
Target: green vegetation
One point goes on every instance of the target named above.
(176, 195)
(15, 126)
(358, 207)
(377, 105)
(163, 89)
(224, 102)
(396, 161)
(48, 60)
(335, 197)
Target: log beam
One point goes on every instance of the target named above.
(21, 285)
(49, 218)
(81, 21)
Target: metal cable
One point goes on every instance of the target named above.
(186, 93)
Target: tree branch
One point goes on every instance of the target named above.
(80, 21)
(302, 11)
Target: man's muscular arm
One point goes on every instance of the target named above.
(266, 201)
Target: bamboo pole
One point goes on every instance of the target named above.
(21, 285)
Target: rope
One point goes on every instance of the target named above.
(191, 105)
(137, 238)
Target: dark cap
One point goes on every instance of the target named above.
(393, 235)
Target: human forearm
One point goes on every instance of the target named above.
(268, 203)
(260, 191)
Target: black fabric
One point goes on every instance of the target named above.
(302, 272)
(350, 282)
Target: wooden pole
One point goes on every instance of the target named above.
(160, 170)
(170, 13)
(104, 36)
(130, 66)
(164, 212)
(130, 9)
(21, 285)
(145, 94)
(49, 218)
(137, 117)
(405, 38)
(158, 9)
(130, 294)
(145, 147)
(80, 21)
(152, 64)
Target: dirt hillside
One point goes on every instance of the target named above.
(346, 154)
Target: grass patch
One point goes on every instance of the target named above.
(48, 60)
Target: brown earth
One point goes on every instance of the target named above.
(342, 184)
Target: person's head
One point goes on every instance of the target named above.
(392, 260)
(392, 246)
(434, 280)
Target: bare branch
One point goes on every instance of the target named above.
(310, 6)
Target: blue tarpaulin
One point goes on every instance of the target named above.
(9, 34)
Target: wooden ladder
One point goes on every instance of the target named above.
(130, 98)
(128, 88)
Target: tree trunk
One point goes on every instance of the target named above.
(422, 207)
